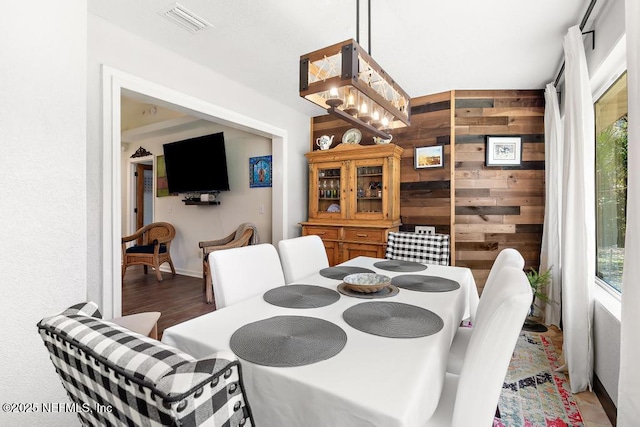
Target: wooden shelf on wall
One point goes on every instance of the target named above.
(199, 202)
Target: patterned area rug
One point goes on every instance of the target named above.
(533, 394)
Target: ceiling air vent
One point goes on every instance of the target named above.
(178, 14)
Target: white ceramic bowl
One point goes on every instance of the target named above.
(366, 282)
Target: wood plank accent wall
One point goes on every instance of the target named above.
(498, 207)
(493, 207)
(426, 194)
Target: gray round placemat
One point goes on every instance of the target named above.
(285, 341)
(421, 283)
(393, 319)
(301, 296)
(340, 271)
(400, 265)
(386, 292)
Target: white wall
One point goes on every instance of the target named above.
(609, 26)
(42, 192)
(196, 223)
(110, 45)
(606, 337)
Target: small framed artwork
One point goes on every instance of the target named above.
(162, 186)
(429, 157)
(260, 171)
(503, 151)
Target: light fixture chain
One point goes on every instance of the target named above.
(369, 27)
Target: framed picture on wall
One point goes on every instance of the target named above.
(503, 151)
(162, 186)
(429, 157)
(260, 171)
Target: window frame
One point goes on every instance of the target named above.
(606, 76)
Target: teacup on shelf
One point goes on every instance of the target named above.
(379, 140)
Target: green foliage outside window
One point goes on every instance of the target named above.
(611, 183)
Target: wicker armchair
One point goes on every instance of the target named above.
(246, 234)
(153, 250)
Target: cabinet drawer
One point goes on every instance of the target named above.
(364, 235)
(323, 232)
(353, 250)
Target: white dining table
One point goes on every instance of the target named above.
(372, 381)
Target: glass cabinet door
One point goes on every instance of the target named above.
(329, 188)
(369, 183)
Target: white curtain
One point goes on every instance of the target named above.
(550, 251)
(578, 218)
(629, 384)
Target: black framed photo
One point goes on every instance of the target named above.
(503, 151)
(429, 157)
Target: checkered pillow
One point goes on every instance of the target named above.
(116, 377)
(430, 249)
(84, 308)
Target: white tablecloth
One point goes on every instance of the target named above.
(373, 381)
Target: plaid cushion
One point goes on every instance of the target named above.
(430, 249)
(119, 377)
(89, 308)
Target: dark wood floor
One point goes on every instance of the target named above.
(178, 298)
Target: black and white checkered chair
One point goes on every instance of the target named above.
(425, 248)
(118, 377)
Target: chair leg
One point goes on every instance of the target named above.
(204, 274)
(154, 332)
(208, 290)
(146, 269)
(204, 279)
(158, 274)
(173, 270)
(209, 294)
(124, 268)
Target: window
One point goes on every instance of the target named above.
(611, 182)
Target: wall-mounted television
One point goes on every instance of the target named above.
(197, 165)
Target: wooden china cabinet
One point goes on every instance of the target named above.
(354, 199)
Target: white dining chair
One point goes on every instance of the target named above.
(506, 258)
(471, 398)
(241, 273)
(302, 257)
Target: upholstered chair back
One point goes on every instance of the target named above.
(118, 377)
(241, 273)
(302, 257)
(493, 339)
(425, 248)
(471, 398)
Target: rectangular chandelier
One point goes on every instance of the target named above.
(344, 80)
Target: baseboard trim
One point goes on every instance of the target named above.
(166, 269)
(605, 400)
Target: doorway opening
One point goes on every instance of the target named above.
(117, 83)
(141, 200)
